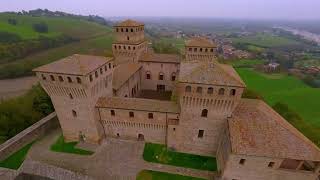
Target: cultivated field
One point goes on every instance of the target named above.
(16, 87)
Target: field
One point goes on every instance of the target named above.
(155, 175)
(16, 159)
(92, 39)
(288, 90)
(246, 62)
(160, 154)
(264, 40)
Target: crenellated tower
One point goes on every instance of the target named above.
(130, 42)
(200, 49)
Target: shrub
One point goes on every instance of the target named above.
(41, 27)
(250, 94)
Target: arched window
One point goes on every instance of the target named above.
(131, 30)
(173, 76)
(128, 38)
(60, 78)
(74, 113)
(70, 95)
(210, 90)
(195, 49)
(121, 29)
(52, 77)
(204, 113)
(199, 90)
(190, 49)
(200, 49)
(211, 50)
(112, 113)
(221, 91)
(188, 88)
(161, 76)
(78, 80)
(127, 30)
(232, 92)
(206, 50)
(117, 30)
(148, 75)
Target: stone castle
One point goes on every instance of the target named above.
(192, 104)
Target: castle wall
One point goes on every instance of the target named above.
(125, 53)
(193, 122)
(224, 149)
(130, 88)
(200, 53)
(130, 35)
(257, 168)
(121, 125)
(169, 71)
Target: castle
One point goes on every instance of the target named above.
(191, 104)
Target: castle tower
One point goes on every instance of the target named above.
(130, 42)
(74, 85)
(200, 49)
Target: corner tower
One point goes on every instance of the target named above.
(74, 85)
(200, 49)
(130, 42)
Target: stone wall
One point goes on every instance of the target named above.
(28, 135)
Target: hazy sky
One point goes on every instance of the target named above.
(254, 9)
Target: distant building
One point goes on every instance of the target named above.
(98, 97)
(272, 67)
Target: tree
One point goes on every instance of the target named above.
(40, 27)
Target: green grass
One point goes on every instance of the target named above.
(76, 28)
(16, 159)
(246, 62)
(177, 42)
(158, 153)
(155, 175)
(265, 40)
(61, 146)
(289, 90)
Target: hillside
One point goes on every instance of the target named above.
(65, 36)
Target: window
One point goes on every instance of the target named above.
(91, 79)
(221, 91)
(161, 76)
(117, 30)
(109, 65)
(127, 30)
(210, 90)
(105, 68)
(101, 71)
(232, 92)
(129, 47)
(74, 113)
(134, 48)
(211, 50)
(112, 113)
(242, 161)
(200, 49)
(96, 74)
(195, 49)
(121, 29)
(131, 114)
(115, 47)
(131, 30)
(128, 38)
(271, 164)
(199, 90)
(52, 77)
(206, 50)
(200, 133)
(173, 77)
(69, 79)
(148, 75)
(43, 77)
(188, 88)
(150, 115)
(190, 49)
(70, 95)
(174, 129)
(78, 80)
(204, 113)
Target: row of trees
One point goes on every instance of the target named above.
(19, 49)
(19, 113)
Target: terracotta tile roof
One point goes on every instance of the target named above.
(138, 104)
(129, 23)
(76, 65)
(200, 42)
(165, 58)
(122, 73)
(257, 130)
(209, 73)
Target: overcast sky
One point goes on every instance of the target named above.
(254, 9)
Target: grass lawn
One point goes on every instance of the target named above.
(246, 62)
(155, 175)
(61, 146)
(265, 40)
(158, 153)
(291, 91)
(16, 159)
(178, 42)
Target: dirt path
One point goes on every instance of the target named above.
(16, 87)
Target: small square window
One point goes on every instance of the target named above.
(96, 74)
(101, 71)
(69, 79)
(150, 115)
(90, 77)
(60, 78)
(78, 80)
(242, 161)
(112, 113)
(74, 113)
(131, 114)
(160, 77)
(271, 164)
(52, 78)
